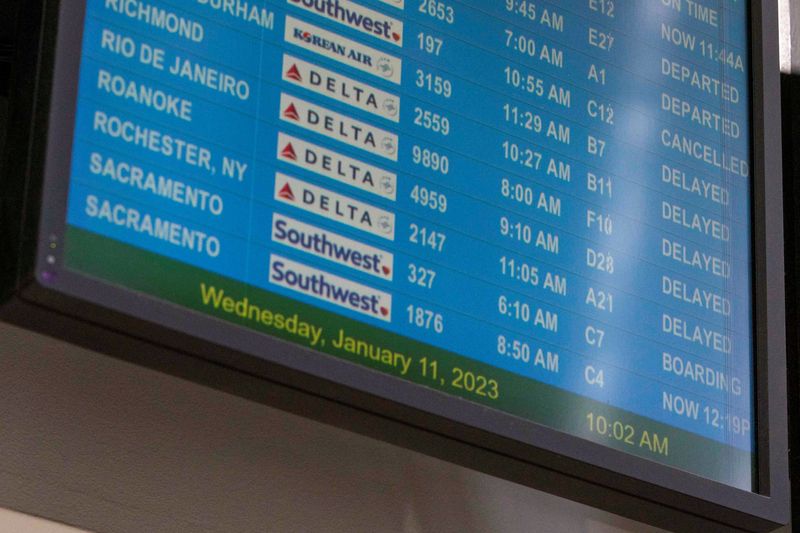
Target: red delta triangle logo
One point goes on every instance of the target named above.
(289, 153)
(291, 112)
(294, 74)
(286, 193)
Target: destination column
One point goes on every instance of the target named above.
(164, 135)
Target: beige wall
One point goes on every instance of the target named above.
(19, 522)
(91, 441)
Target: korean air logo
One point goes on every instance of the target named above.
(356, 16)
(342, 49)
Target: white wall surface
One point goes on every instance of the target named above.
(785, 28)
(111, 447)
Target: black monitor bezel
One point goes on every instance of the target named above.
(348, 395)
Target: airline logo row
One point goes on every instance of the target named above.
(339, 127)
(336, 166)
(341, 88)
(343, 50)
(334, 206)
(330, 288)
(357, 17)
(332, 247)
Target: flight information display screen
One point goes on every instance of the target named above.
(539, 206)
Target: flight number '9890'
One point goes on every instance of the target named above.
(430, 159)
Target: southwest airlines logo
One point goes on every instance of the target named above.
(334, 206)
(330, 288)
(344, 50)
(336, 166)
(357, 17)
(332, 246)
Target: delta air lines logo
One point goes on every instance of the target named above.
(330, 288)
(288, 152)
(287, 194)
(344, 50)
(334, 206)
(291, 112)
(293, 73)
(341, 88)
(332, 247)
(336, 166)
(356, 16)
(339, 127)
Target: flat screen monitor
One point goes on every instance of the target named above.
(539, 219)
